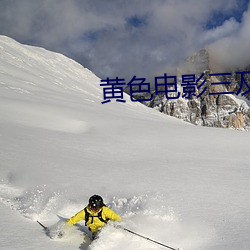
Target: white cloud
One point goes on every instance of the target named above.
(232, 51)
(228, 28)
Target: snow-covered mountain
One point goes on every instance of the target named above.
(205, 107)
(182, 185)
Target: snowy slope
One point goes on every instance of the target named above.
(176, 183)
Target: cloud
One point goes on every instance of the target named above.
(231, 50)
(122, 38)
(229, 27)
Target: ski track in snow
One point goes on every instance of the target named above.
(43, 117)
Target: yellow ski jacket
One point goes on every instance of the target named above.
(94, 223)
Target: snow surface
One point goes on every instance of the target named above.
(182, 185)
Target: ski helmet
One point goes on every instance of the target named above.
(95, 202)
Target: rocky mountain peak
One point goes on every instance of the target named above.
(213, 101)
(196, 63)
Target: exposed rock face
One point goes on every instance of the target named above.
(206, 108)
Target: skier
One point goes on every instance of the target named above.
(95, 214)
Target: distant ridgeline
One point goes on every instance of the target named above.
(203, 97)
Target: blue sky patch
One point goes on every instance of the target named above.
(219, 16)
(136, 21)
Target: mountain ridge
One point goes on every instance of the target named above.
(205, 107)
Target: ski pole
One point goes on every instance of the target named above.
(45, 228)
(146, 238)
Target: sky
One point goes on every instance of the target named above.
(118, 38)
